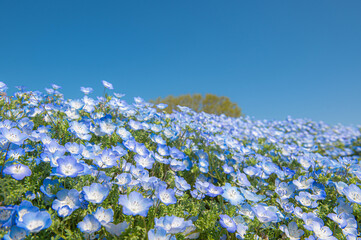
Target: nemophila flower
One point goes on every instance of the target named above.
(35, 221)
(163, 150)
(241, 231)
(319, 192)
(302, 183)
(285, 190)
(343, 207)
(159, 234)
(322, 232)
(161, 159)
(157, 139)
(176, 153)
(141, 149)
(6, 216)
(124, 134)
(86, 90)
(135, 204)
(305, 198)
(252, 171)
(265, 214)
(166, 196)
(232, 195)
(80, 129)
(309, 219)
(107, 127)
(104, 216)
(54, 148)
(135, 125)
(181, 184)
(48, 186)
(68, 166)
(203, 165)
(351, 228)
(292, 231)
(89, 224)
(123, 179)
(341, 219)
(106, 159)
(242, 179)
(16, 233)
(353, 193)
(247, 210)
(213, 190)
(107, 84)
(172, 224)
(17, 171)
(144, 161)
(24, 208)
(227, 169)
(66, 202)
(15, 154)
(3, 87)
(74, 148)
(250, 196)
(287, 206)
(130, 144)
(95, 193)
(116, 229)
(176, 165)
(228, 223)
(13, 135)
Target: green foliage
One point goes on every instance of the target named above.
(209, 103)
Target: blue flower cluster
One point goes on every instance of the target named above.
(103, 168)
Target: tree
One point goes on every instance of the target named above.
(209, 103)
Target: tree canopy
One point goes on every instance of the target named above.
(209, 103)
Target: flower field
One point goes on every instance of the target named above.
(102, 168)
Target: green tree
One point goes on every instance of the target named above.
(209, 103)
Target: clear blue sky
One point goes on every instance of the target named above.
(274, 58)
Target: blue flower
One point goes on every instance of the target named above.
(265, 214)
(24, 208)
(89, 224)
(95, 193)
(305, 198)
(48, 186)
(13, 135)
(166, 196)
(67, 202)
(107, 159)
(16, 233)
(68, 166)
(213, 190)
(228, 223)
(292, 231)
(181, 184)
(104, 216)
(86, 90)
(135, 204)
(285, 190)
(232, 195)
(6, 216)
(353, 193)
(159, 234)
(107, 84)
(322, 232)
(18, 171)
(116, 229)
(144, 161)
(172, 224)
(35, 221)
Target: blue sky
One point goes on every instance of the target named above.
(274, 58)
